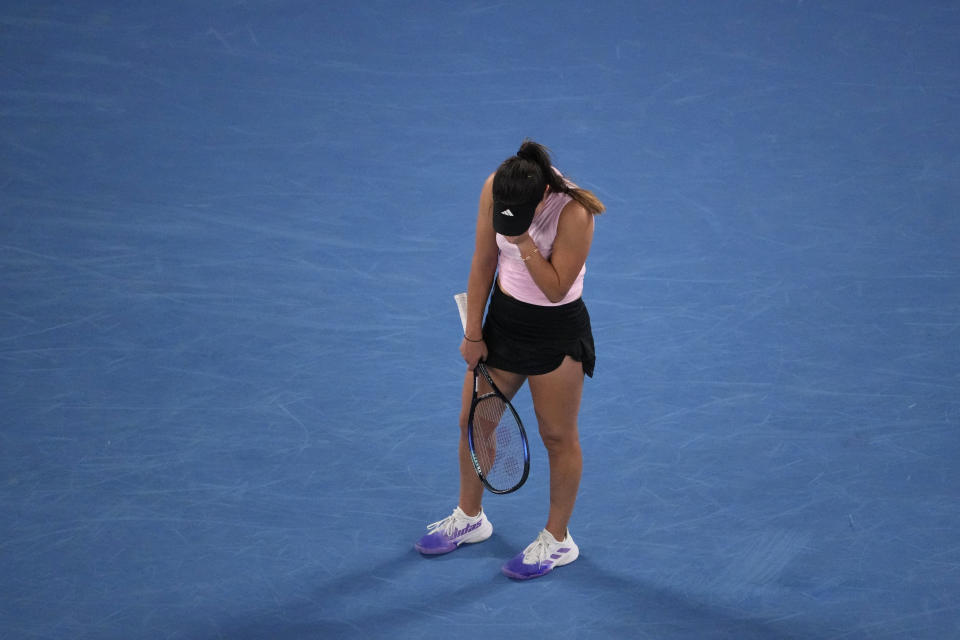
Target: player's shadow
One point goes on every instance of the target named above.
(390, 601)
(669, 614)
(616, 604)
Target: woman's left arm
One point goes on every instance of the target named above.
(570, 248)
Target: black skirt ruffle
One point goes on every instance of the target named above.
(532, 340)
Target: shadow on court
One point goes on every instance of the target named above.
(390, 600)
(384, 600)
(633, 608)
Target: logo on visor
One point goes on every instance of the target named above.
(507, 212)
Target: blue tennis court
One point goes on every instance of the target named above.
(230, 233)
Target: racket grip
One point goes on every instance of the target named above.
(461, 300)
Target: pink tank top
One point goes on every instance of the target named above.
(514, 278)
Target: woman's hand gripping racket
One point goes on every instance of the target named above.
(498, 442)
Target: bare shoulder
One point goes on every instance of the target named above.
(486, 197)
(488, 184)
(575, 217)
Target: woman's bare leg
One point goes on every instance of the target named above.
(556, 400)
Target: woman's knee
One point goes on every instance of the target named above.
(558, 438)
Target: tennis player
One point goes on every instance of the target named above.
(533, 234)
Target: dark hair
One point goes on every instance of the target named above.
(521, 178)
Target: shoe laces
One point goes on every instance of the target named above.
(449, 524)
(540, 550)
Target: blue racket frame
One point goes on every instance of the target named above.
(523, 433)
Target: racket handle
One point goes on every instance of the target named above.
(461, 299)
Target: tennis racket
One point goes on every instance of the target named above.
(495, 434)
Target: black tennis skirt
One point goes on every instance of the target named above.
(532, 340)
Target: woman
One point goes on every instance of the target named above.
(534, 230)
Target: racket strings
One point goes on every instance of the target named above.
(497, 443)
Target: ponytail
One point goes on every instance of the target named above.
(539, 155)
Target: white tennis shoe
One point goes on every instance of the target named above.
(542, 556)
(456, 529)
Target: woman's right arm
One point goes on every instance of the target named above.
(483, 268)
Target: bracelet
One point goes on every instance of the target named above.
(469, 340)
(531, 254)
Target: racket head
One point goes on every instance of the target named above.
(497, 440)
